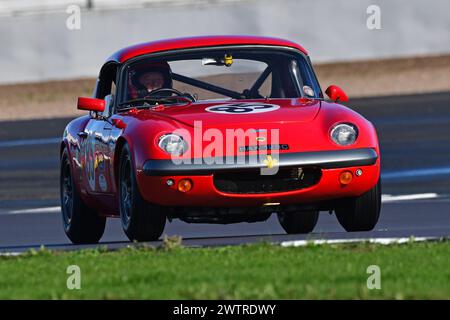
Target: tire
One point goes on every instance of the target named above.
(141, 220)
(361, 213)
(81, 224)
(298, 222)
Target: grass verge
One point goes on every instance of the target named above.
(259, 271)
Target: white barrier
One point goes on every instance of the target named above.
(40, 46)
(31, 7)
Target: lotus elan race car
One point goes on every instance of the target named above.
(217, 129)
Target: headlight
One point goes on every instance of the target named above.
(344, 134)
(172, 144)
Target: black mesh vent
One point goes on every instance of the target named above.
(286, 179)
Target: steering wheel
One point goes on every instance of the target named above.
(172, 91)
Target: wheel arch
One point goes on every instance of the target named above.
(63, 145)
(121, 142)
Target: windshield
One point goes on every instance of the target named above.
(221, 74)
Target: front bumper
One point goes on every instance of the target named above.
(152, 180)
(323, 159)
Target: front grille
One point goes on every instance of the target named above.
(286, 179)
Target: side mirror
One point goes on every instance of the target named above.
(336, 94)
(91, 104)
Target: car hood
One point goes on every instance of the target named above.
(241, 113)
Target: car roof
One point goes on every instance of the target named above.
(197, 42)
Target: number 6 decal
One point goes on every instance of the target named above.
(243, 108)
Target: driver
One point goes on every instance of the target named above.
(151, 80)
(150, 77)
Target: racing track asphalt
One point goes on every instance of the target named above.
(414, 134)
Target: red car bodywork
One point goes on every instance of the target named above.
(198, 42)
(141, 129)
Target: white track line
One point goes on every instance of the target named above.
(301, 243)
(29, 142)
(408, 197)
(385, 198)
(11, 254)
(36, 210)
(415, 173)
(384, 241)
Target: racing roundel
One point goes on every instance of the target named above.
(243, 108)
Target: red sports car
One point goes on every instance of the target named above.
(218, 129)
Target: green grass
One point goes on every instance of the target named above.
(261, 271)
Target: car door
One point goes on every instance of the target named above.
(98, 143)
(104, 148)
(93, 154)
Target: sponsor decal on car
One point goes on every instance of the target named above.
(264, 147)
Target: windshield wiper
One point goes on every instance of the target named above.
(145, 101)
(130, 104)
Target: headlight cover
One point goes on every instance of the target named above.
(173, 144)
(344, 134)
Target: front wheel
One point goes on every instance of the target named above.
(81, 223)
(360, 213)
(141, 220)
(298, 222)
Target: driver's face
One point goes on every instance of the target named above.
(152, 80)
